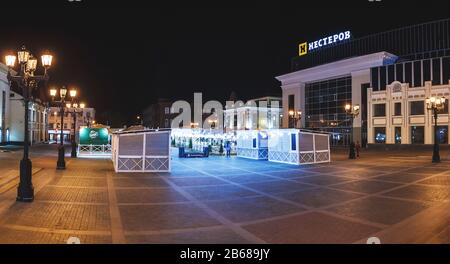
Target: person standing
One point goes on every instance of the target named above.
(228, 149)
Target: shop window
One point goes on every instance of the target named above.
(374, 79)
(445, 110)
(380, 134)
(398, 109)
(417, 135)
(417, 108)
(379, 110)
(293, 142)
(398, 135)
(442, 134)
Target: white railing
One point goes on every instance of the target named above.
(94, 150)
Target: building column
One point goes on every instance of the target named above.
(390, 130)
(405, 116)
(429, 119)
(298, 90)
(370, 139)
(358, 78)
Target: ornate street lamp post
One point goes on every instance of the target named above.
(61, 163)
(435, 105)
(27, 81)
(353, 112)
(295, 116)
(75, 107)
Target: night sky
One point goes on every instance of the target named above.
(124, 56)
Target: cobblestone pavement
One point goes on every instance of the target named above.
(398, 197)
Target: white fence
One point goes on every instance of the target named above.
(294, 146)
(94, 150)
(252, 144)
(141, 151)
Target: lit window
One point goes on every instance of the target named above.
(293, 142)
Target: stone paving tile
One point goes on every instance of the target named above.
(74, 205)
(68, 194)
(421, 193)
(310, 228)
(222, 192)
(175, 173)
(437, 180)
(292, 174)
(211, 236)
(225, 171)
(252, 208)
(329, 169)
(442, 238)
(60, 216)
(401, 177)
(379, 210)
(248, 178)
(364, 186)
(164, 217)
(278, 186)
(136, 175)
(79, 182)
(139, 182)
(319, 197)
(148, 196)
(197, 181)
(11, 236)
(362, 173)
(86, 172)
(424, 170)
(323, 179)
(388, 168)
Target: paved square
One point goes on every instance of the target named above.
(230, 200)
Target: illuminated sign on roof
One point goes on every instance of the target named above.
(305, 47)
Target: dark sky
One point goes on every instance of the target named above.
(123, 56)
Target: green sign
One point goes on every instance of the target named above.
(94, 136)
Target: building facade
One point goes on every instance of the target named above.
(38, 114)
(12, 115)
(263, 113)
(85, 117)
(388, 74)
(158, 115)
(4, 104)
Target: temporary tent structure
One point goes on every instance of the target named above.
(141, 151)
(252, 144)
(94, 141)
(294, 146)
